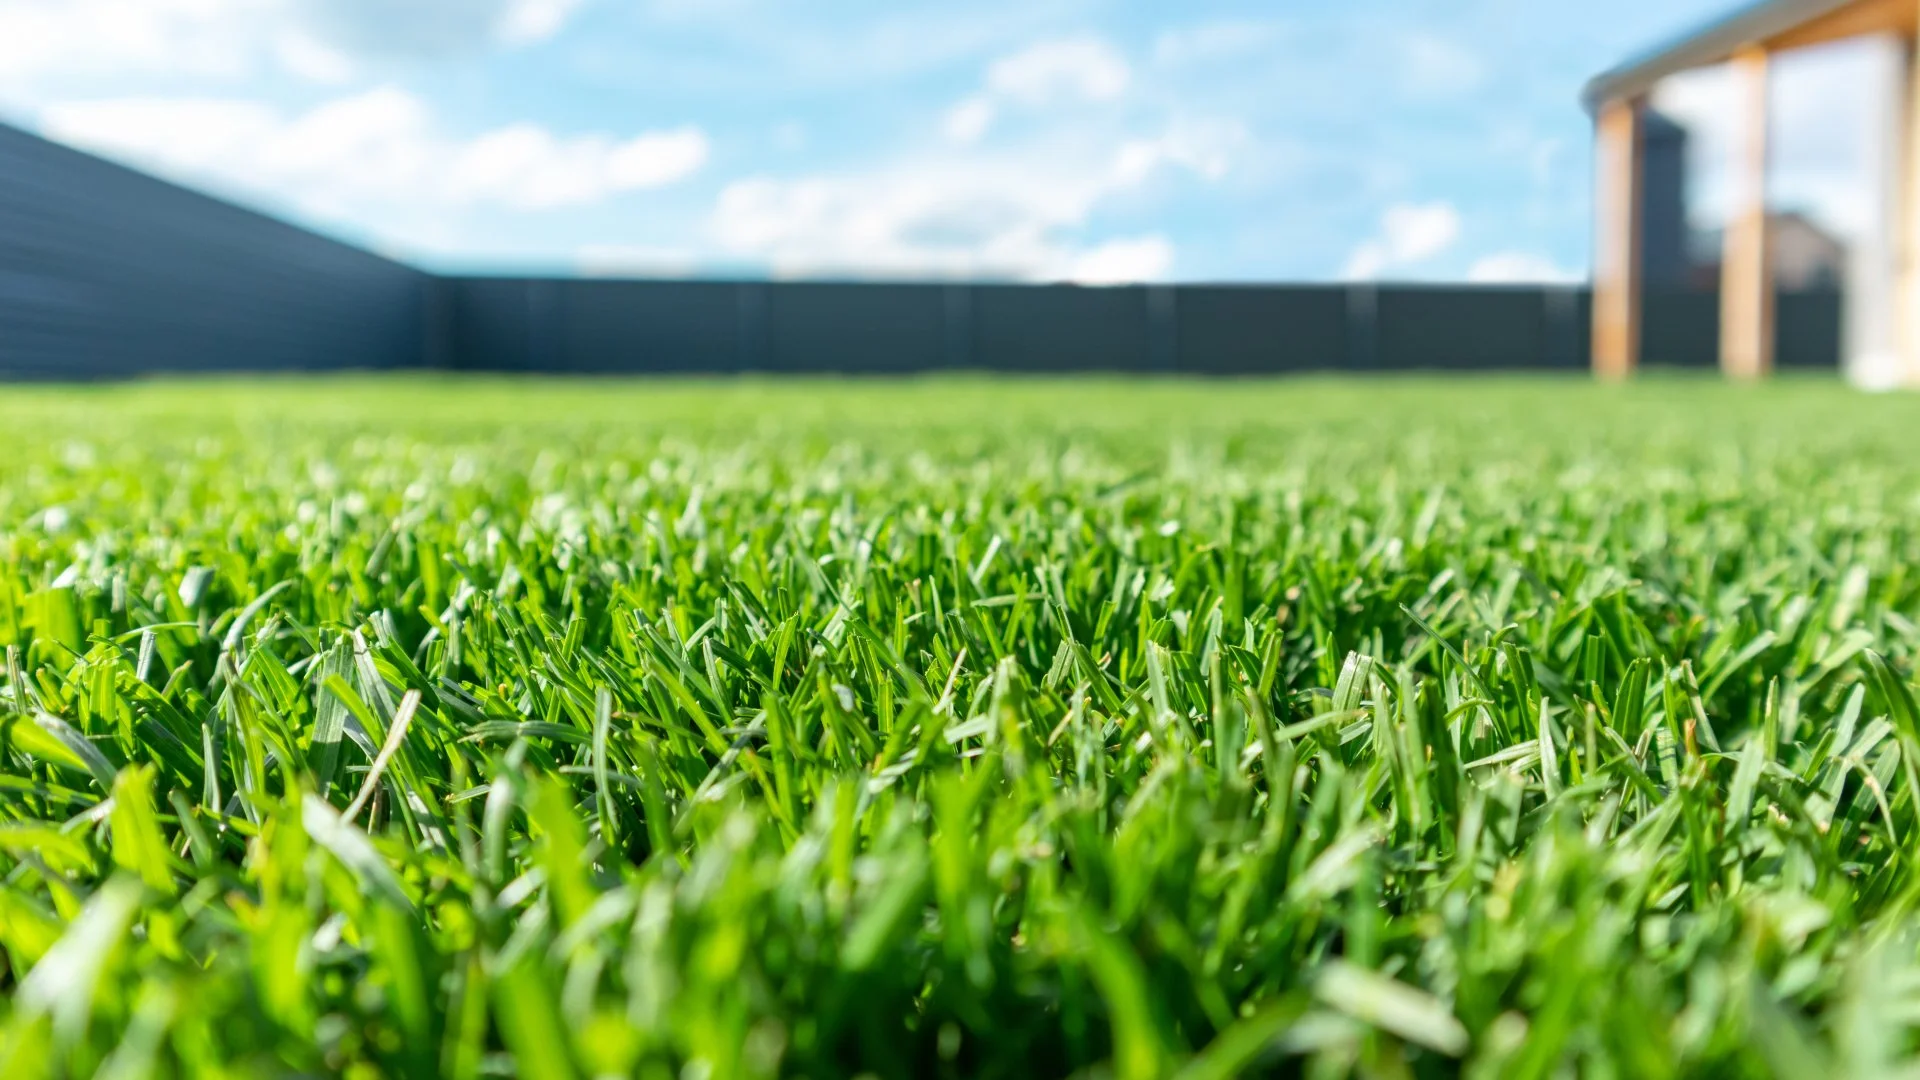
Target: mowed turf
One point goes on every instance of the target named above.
(958, 728)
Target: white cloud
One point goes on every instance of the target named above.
(306, 57)
(635, 260)
(1085, 69)
(797, 47)
(1410, 233)
(1074, 71)
(197, 37)
(1015, 213)
(1366, 262)
(656, 159)
(1120, 262)
(318, 40)
(1013, 216)
(183, 129)
(1020, 211)
(903, 222)
(529, 167)
(429, 27)
(1205, 148)
(1520, 268)
(527, 21)
(969, 120)
(381, 146)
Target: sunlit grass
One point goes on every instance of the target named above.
(959, 727)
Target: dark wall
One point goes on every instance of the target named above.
(519, 324)
(1467, 327)
(1251, 330)
(1806, 332)
(105, 272)
(1681, 328)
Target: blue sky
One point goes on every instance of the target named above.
(1025, 139)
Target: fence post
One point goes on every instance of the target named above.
(1562, 323)
(751, 352)
(1363, 326)
(437, 344)
(544, 346)
(1163, 328)
(957, 327)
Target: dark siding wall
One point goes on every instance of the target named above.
(1253, 330)
(1478, 328)
(857, 328)
(604, 327)
(679, 327)
(640, 327)
(492, 325)
(1060, 328)
(107, 272)
(1681, 328)
(1806, 329)
(1582, 301)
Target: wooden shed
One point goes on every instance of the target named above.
(1883, 303)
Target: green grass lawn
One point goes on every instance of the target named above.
(1502, 727)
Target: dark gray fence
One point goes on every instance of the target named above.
(523, 324)
(1682, 329)
(108, 272)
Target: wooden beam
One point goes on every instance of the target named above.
(1862, 17)
(1618, 198)
(1774, 25)
(1746, 272)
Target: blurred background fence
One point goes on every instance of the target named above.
(641, 326)
(107, 272)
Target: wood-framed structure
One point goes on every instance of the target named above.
(1883, 302)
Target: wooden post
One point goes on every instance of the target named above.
(1617, 254)
(1906, 230)
(1746, 272)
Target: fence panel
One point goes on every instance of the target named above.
(1680, 328)
(1468, 328)
(666, 326)
(857, 328)
(1806, 330)
(1260, 330)
(106, 271)
(1061, 328)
